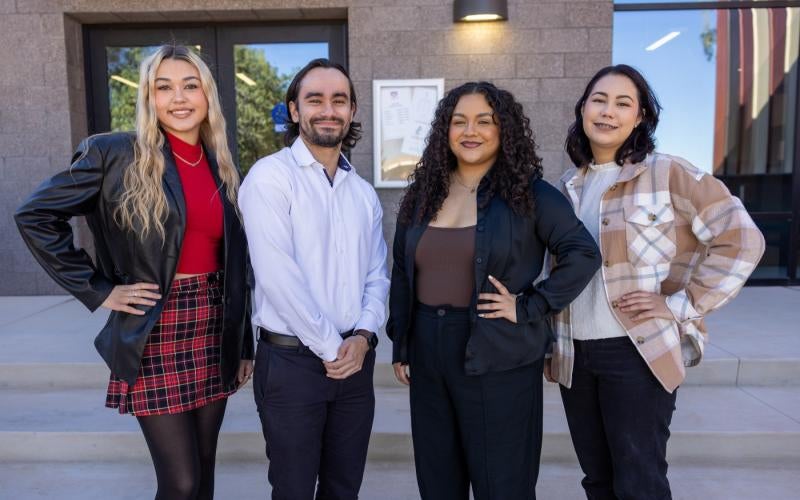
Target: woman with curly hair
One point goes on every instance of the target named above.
(676, 245)
(469, 327)
(171, 264)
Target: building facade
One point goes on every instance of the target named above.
(69, 71)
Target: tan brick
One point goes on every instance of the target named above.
(585, 64)
(478, 38)
(563, 40)
(395, 18)
(449, 67)
(561, 89)
(395, 67)
(537, 15)
(490, 67)
(540, 65)
(587, 14)
(600, 39)
(524, 90)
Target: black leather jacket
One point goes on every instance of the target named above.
(512, 249)
(91, 187)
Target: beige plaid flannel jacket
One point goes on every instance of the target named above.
(666, 227)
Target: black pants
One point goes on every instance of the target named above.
(316, 429)
(485, 430)
(619, 418)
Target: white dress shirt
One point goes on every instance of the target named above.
(317, 249)
(591, 314)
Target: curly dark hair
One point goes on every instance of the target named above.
(510, 177)
(642, 139)
(293, 93)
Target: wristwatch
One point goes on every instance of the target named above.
(372, 339)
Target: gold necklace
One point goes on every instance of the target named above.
(184, 160)
(471, 189)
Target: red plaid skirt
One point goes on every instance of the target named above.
(180, 368)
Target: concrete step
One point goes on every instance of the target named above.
(711, 425)
(382, 481)
(714, 371)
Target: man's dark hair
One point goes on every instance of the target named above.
(293, 93)
(639, 143)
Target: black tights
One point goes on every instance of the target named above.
(184, 447)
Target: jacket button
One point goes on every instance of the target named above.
(652, 217)
(479, 260)
(227, 300)
(441, 312)
(479, 228)
(640, 340)
(605, 221)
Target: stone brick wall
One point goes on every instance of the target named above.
(543, 54)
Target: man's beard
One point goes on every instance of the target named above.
(330, 140)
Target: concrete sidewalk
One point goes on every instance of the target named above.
(735, 434)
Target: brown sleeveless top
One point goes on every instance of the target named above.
(445, 266)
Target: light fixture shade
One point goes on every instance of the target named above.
(480, 10)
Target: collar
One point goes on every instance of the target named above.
(303, 157)
(629, 171)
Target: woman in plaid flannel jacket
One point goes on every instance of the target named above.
(675, 245)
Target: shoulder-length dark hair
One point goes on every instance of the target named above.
(639, 143)
(292, 94)
(510, 176)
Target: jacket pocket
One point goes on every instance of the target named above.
(650, 234)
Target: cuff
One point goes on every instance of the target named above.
(368, 322)
(681, 307)
(328, 349)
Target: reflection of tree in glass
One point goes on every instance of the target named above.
(256, 136)
(124, 62)
(708, 37)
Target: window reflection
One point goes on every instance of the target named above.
(263, 72)
(123, 83)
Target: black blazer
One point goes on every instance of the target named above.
(512, 249)
(91, 187)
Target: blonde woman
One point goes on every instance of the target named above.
(170, 264)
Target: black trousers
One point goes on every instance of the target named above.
(316, 429)
(619, 418)
(485, 430)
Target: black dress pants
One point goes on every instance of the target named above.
(619, 416)
(316, 429)
(485, 430)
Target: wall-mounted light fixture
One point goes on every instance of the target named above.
(480, 10)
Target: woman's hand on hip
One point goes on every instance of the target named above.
(648, 305)
(402, 373)
(501, 305)
(245, 372)
(123, 297)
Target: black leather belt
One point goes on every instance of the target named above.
(286, 340)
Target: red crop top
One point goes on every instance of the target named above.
(201, 251)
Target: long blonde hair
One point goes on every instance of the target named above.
(143, 204)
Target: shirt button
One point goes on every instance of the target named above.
(652, 217)
(479, 260)
(613, 187)
(614, 304)
(605, 221)
(441, 312)
(607, 263)
(640, 340)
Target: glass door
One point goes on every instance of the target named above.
(256, 66)
(252, 64)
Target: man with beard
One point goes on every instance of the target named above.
(316, 244)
